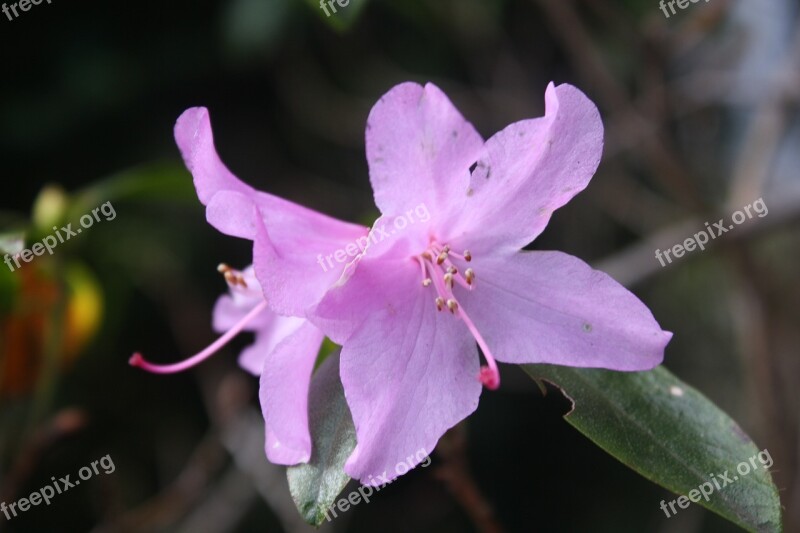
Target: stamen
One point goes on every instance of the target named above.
(138, 361)
(443, 278)
(233, 277)
(425, 279)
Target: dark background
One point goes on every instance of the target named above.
(701, 119)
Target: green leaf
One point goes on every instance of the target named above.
(315, 486)
(168, 181)
(671, 434)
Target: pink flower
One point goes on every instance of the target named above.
(286, 347)
(411, 311)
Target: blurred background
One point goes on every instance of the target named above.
(701, 117)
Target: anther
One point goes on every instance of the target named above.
(441, 258)
(452, 305)
(448, 280)
(452, 270)
(427, 282)
(470, 275)
(467, 255)
(222, 268)
(439, 303)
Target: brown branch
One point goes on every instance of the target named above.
(454, 473)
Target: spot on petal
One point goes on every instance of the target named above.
(470, 191)
(587, 327)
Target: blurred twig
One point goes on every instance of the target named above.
(62, 425)
(454, 472)
(666, 166)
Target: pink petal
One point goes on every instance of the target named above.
(270, 329)
(550, 307)
(238, 302)
(527, 171)
(230, 202)
(419, 149)
(285, 380)
(372, 285)
(409, 374)
(281, 327)
(298, 265)
(196, 142)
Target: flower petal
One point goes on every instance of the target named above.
(233, 306)
(409, 373)
(371, 285)
(281, 327)
(196, 142)
(550, 307)
(230, 202)
(285, 380)
(419, 149)
(527, 171)
(297, 263)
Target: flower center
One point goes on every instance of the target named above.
(442, 268)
